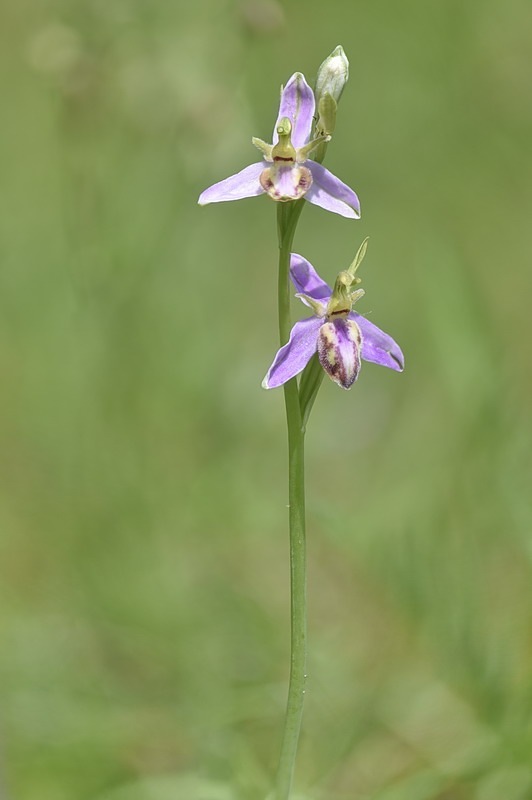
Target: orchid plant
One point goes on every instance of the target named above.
(333, 341)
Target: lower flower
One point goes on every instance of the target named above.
(341, 337)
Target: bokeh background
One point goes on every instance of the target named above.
(143, 545)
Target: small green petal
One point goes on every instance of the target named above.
(361, 252)
(266, 149)
(315, 305)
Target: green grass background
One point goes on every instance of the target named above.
(143, 546)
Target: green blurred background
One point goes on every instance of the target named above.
(143, 545)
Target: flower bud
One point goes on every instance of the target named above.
(332, 75)
(326, 119)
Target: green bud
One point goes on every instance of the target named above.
(326, 115)
(332, 75)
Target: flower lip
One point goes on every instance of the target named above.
(285, 183)
(339, 348)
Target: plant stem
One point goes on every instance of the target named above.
(287, 217)
(309, 386)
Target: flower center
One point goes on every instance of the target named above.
(341, 301)
(284, 151)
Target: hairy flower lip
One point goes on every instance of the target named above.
(375, 345)
(325, 189)
(338, 346)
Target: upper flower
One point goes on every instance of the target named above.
(286, 171)
(339, 336)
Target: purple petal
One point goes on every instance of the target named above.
(306, 279)
(298, 104)
(339, 344)
(377, 346)
(244, 184)
(330, 193)
(295, 354)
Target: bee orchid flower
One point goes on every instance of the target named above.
(340, 336)
(286, 171)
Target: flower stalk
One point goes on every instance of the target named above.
(287, 217)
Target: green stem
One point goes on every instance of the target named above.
(287, 217)
(309, 386)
